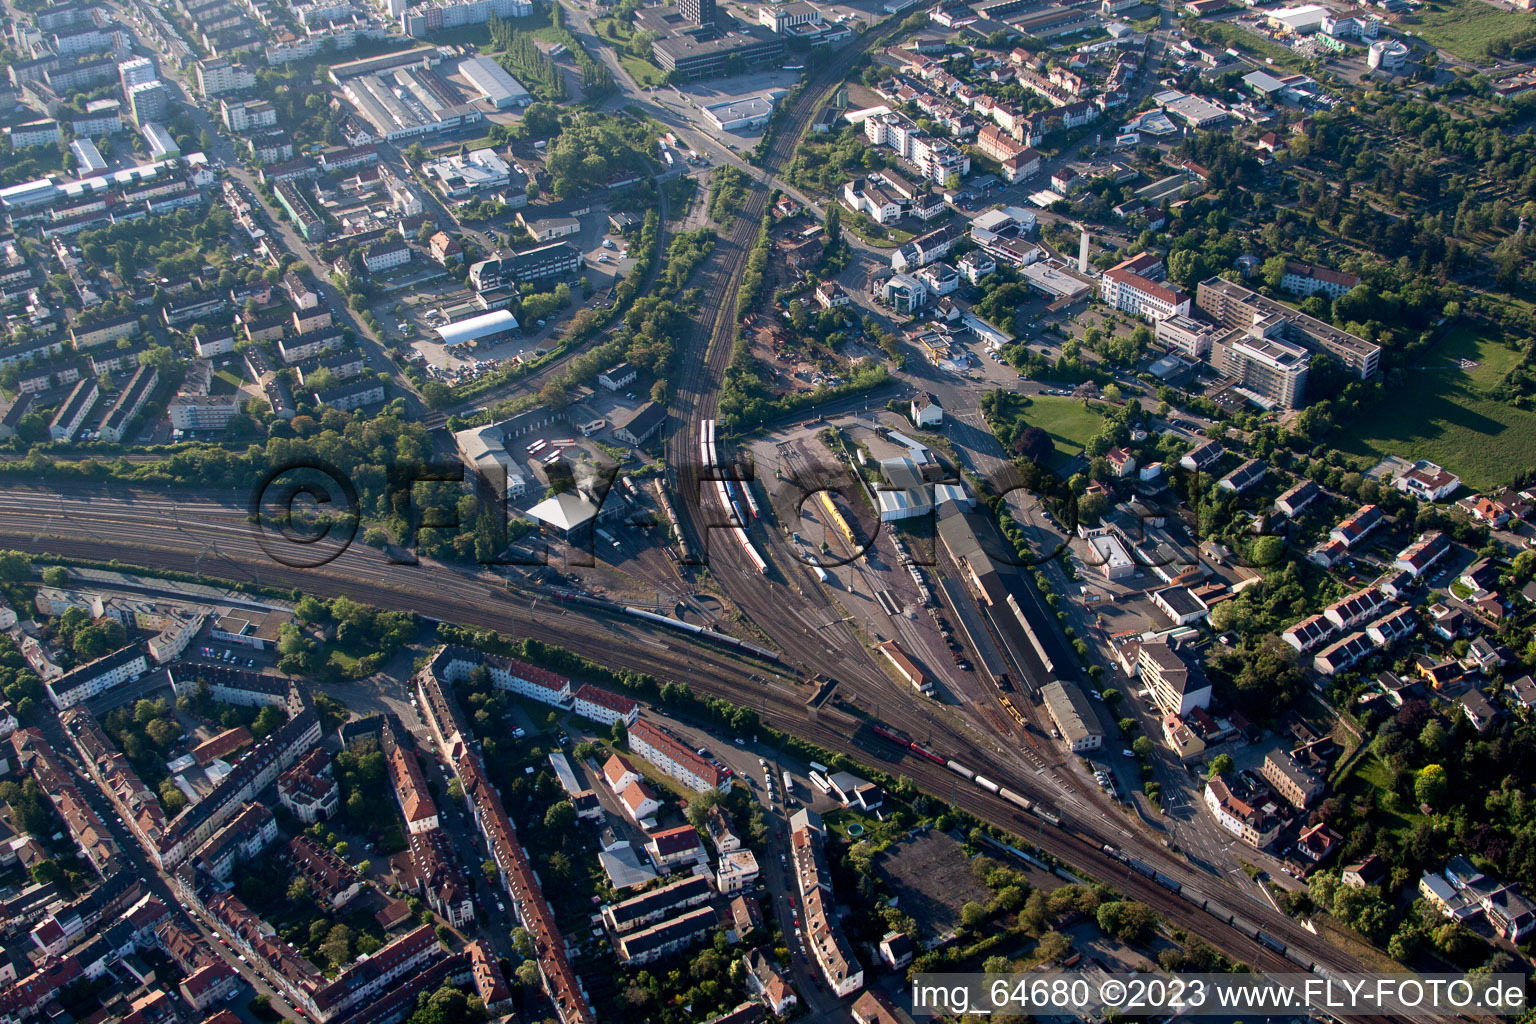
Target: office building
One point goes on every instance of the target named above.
(1241, 307)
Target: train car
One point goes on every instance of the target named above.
(1047, 817)
(985, 783)
(926, 755)
(836, 517)
(959, 769)
(1172, 885)
(746, 492)
(1140, 868)
(605, 535)
(886, 733)
(1016, 799)
(820, 573)
(1247, 929)
(1269, 940)
(1298, 959)
(739, 512)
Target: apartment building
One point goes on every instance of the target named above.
(1305, 279)
(410, 785)
(308, 790)
(240, 840)
(1245, 820)
(649, 907)
(98, 676)
(675, 758)
(599, 705)
(441, 711)
(74, 410)
(935, 159)
(218, 75)
(1178, 683)
(1297, 785)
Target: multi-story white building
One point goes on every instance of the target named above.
(1273, 369)
(1245, 821)
(432, 17)
(1177, 686)
(219, 75)
(674, 758)
(1132, 293)
(936, 159)
(98, 676)
(1186, 336)
(203, 412)
(247, 115)
(34, 133)
(605, 706)
(1306, 279)
(384, 255)
(736, 871)
(863, 195)
(102, 117)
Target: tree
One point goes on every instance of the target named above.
(54, 576)
(528, 973)
(1273, 271)
(337, 947)
(1034, 444)
(521, 942)
(972, 914)
(15, 566)
(834, 225)
(1112, 698)
(560, 817)
(620, 735)
(1053, 946)
(1221, 764)
(1431, 785)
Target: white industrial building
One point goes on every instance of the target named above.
(458, 176)
(497, 88)
(1302, 20)
(742, 114)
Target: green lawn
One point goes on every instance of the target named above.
(1069, 421)
(643, 71)
(1443, 413)
(1465, 27)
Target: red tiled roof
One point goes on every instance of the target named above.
(605, 698)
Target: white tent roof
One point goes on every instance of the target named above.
(564, 511)
(494, 322)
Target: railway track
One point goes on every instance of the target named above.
(109, 525)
